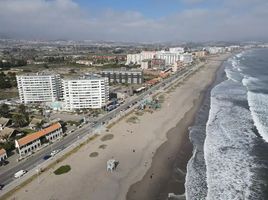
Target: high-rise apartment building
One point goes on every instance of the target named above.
(39, 87)
(85, 92)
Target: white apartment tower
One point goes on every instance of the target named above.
(186, 58)
(170, 58)
(134, 59)
(39, 87)
(85, 92)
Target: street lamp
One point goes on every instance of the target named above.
(37, 172)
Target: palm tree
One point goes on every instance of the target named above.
(22, 109)
(39, 126)
(4, 110)
(19, 120)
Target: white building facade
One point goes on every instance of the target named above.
(138, 58)
(179, 50)
(216, 50)
(148, 55)
(134, 59)
(170, 58)
(38, 88)
(186, 58)
(32, 142)
(85, 92)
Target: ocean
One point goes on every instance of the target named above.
(230, 133)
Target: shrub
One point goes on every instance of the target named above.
(62, 170)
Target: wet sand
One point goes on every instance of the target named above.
(167, 172)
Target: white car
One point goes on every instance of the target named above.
(54, 152)
(20, 173)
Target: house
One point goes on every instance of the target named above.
(4, 122)
(34, 141)
(3, 155)
(7, 133)
(34, 124)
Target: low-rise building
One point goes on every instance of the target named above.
(152, 63)
(177, 66)
(3, 155)
(200, 54)
(123, 76)
(32, 142)
(7, 133)
(4, 122)
(35, 123)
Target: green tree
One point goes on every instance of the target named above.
(4, 110)
(8, 146)
(4, 81)
(22, 109)
(39, 126)
(19, 120)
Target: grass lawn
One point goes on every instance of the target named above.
(62, 170)
(8, 94)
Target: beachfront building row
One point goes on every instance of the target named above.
(139, 57)
(170, 57)
(85, 92)
(179, 50)
(215, 50)
(32, 142)
(3, 155)
(76, 93)
(123, 76)
(153, 64)
(186, 58)
(39, 87)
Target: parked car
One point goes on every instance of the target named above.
(4, 162)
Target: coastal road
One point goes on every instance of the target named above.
(36, 159)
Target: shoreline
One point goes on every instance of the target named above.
(178, 149)
(167, 153)
(134, 145)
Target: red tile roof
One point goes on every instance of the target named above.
(34, 136)
(2, 152)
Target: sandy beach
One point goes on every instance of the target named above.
(146, 152)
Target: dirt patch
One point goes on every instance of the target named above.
(93, 154)
(102, 146)
(107, 137)
(133, 120)
(139, 113)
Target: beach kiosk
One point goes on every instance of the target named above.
(111, 164)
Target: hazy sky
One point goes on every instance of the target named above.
(135, 20)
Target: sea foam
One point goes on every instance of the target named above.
(228, 143)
